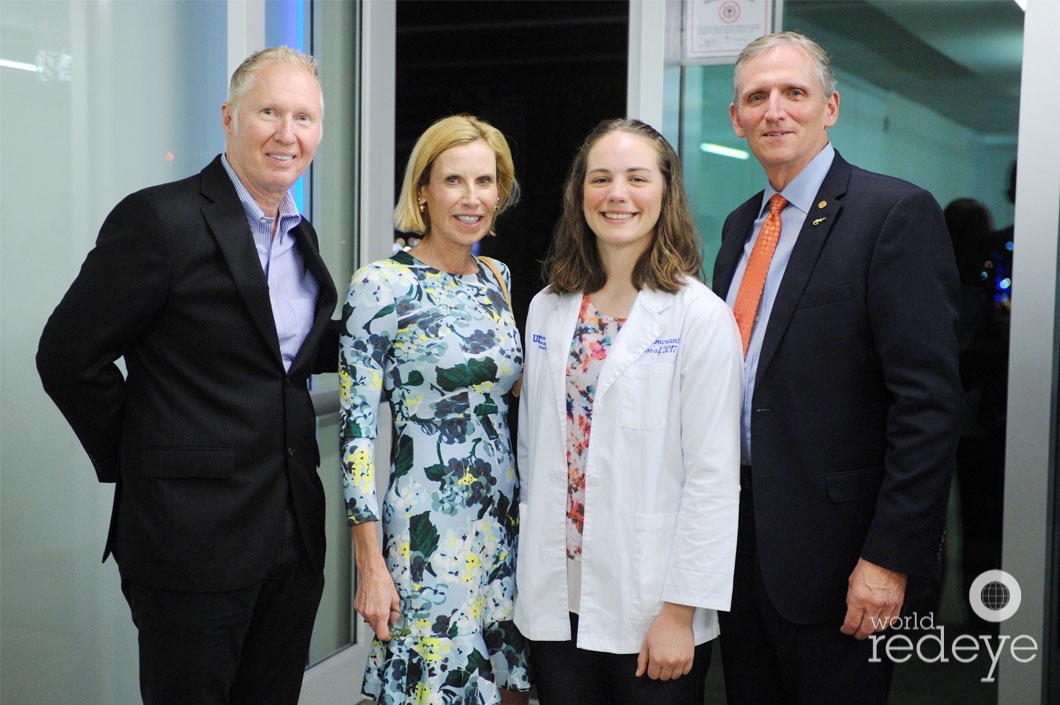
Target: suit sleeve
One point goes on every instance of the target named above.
(327, 359)
(912, 307)
(121, 287)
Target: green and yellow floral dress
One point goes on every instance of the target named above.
(444, 350)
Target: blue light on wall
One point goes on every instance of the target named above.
(285, 25)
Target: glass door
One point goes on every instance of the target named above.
(350, 201)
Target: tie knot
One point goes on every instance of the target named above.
(777, 203)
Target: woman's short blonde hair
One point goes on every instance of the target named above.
(444, 134)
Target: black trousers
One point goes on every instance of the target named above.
(768, 660)
(243, 647)
(567, 675)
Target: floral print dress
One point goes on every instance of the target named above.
(593, 336)
(444, 350)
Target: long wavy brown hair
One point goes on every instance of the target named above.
(573, 263)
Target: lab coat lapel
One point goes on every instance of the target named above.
(558, 335)
(641, 329)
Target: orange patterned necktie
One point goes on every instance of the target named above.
(754, 276)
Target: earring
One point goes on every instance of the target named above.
(423, 207)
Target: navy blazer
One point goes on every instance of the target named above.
(206, 434)
(857, 399)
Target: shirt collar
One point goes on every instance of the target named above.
(804, 187)
(287, 210)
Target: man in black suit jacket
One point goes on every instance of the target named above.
(213, 291)
(852, 397)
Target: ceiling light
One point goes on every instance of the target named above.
(4, 63)
(712, 148)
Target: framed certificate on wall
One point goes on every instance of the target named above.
(715, 31)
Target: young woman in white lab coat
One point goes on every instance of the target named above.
(628, 447)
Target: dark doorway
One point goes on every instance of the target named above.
(544, 73)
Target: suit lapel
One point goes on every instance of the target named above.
(305, 240)
(815, 231)
(732, 245)
(228, 224)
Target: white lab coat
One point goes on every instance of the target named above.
(662, 476)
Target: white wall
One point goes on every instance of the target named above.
(882, 131)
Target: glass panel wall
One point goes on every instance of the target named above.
(332, 203)
(97, 99)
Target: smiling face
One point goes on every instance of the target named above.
(782, 111)
(272, 133)
(623, 191)
(461, 194)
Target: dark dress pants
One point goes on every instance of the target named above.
(567, 675)
(240, 647)
(768, 660)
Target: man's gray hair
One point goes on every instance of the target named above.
(243, 76)
(766, 42)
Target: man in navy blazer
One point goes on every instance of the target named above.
(851, 402)
(213, 291)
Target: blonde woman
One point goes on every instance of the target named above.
(431, 331)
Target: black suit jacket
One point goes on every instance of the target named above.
(857, 399)
(206, 434)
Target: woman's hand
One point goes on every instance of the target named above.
(376, 599)
(669, 644)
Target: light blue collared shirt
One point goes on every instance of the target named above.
(292, 289)
(800, 193)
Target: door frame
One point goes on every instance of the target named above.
(337, 679)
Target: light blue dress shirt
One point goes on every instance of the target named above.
(292, 288)
(800, 193)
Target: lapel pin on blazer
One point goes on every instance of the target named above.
(818, 221)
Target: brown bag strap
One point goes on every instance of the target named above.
(492, 266)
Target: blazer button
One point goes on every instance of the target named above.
(290, 452)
